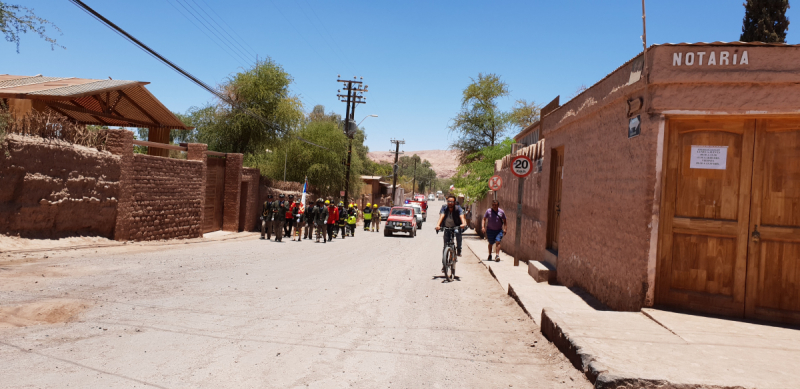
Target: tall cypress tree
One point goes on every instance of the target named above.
(765, 21)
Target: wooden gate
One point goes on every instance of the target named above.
(773, 268)
(730, 242)
(554, 201)
(215, 185)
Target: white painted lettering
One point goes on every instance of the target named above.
(689, 59)
(712, 59)
(723, 58)
(735, 56)
(700, 56)
(745, 60)
(676, 59)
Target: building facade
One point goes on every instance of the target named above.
(674, 181)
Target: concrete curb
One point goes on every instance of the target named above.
(583, 358)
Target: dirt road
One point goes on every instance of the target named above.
(367, 312)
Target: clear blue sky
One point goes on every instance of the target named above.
(416, 56)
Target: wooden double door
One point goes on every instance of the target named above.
(730, 220)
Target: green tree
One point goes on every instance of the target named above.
(524, 113)
(263, 90)
(472, 179)
(325, 169)
(765, 21)
(480, 123)
(16, 20)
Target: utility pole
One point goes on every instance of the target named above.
(394, 167)
(414, 181)
(355, 95)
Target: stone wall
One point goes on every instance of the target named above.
(168, 197)
(53, 189)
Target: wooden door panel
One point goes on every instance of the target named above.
(774, 261)
(703, 264)
(704, 226)
(709, 193)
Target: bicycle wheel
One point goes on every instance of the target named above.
(448, 251)
(453, 264)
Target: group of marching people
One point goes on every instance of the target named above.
(286, 217)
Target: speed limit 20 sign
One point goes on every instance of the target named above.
(521, 166)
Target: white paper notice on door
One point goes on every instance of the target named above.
(709, 157)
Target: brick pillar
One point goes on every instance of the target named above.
(120, 142)
(197, 152)
(231, 197)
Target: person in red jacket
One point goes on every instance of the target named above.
(287, 227)
(333, 217)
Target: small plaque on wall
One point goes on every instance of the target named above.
(709, 157)
(635, 126)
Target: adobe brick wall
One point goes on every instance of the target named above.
(120, 143)
(53, 189)
(232, 192)
(197, 152)
(167, 198)
(252, 177)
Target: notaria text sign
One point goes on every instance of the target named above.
(709, 157)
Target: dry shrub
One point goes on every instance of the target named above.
(51, 125)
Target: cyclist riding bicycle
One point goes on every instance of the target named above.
(452, 216)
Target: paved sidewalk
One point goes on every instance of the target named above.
(652, 348)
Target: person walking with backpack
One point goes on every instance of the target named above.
(494, 223)
(341, 224)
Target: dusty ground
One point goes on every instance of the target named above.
(367, 312)
(443, 162)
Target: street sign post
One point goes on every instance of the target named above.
(521, 166)
(495, 183)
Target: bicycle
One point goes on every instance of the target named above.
(449, 252)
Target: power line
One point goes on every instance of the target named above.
(204, 33)
(296, 29)
(321, 23)
(338, 53)
(192, 12)
(208, 26)
(229, 27)
(182, 72)
(248, 52)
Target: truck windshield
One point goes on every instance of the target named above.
(401, 212)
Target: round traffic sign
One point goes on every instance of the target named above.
(495, 183)
(521, 166)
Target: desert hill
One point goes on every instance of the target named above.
(444, 162)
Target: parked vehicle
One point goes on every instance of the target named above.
(418, 214)
(401, 219)
(384, 211)
(431, 197)
(423, 204)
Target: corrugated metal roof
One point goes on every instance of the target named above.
(89, 101)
